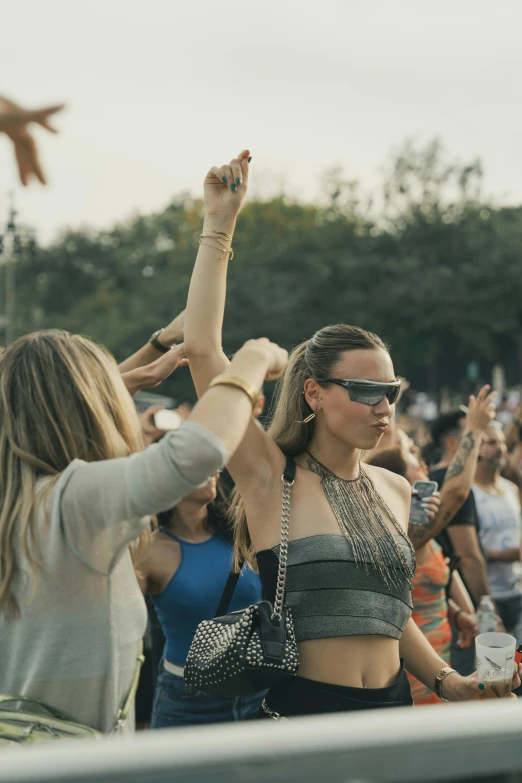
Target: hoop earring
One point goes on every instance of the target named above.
(308, 419)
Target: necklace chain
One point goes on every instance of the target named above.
(361, 511)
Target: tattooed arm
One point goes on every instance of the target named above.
(460, 474)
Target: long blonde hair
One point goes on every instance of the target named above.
(61, 398)
(315, 358)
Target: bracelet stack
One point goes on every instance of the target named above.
(239, 383)
(216, 240)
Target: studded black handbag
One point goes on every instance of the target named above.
(252, 649)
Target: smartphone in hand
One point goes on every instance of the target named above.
(421, 490)
(167, 420)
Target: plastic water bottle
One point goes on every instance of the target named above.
(486, 615)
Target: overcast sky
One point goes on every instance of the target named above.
(158, 91)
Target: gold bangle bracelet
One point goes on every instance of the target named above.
(239, 383)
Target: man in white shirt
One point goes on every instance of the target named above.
(499, 511)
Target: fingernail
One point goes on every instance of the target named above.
(482, 687)
(224, 179)
(250, 158)
(232, 187)
(238, 181)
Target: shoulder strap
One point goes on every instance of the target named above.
(6, 698)
(233, 577)
(123, 712)
(290, 469)
(228, 592)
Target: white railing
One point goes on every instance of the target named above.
(441, 743)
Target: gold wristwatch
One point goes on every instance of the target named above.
(439, 679)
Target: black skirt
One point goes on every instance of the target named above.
(300, 696)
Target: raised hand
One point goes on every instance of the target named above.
(153, 374)
(174, 332)
(225, 187)
(481, 410)
(13, 122)
(277, 356)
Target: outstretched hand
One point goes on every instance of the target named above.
(481, 410)
(153, 374)
(225, 187)
(175, 331)
(277, 356)
(13, 122)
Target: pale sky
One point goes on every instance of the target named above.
(158, 91)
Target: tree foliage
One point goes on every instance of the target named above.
(428, 263)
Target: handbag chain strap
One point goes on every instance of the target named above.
(288, 479)
(283, 549)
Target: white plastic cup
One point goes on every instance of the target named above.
(495, 663)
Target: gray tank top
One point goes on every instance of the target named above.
(331, 595)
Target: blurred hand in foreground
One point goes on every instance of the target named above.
(14, 121)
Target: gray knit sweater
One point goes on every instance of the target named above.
(75, 645)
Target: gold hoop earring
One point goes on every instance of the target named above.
(308, 419)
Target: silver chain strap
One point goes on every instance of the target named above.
(271, 713)
(283, 550)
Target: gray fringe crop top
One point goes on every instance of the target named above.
(331, 595)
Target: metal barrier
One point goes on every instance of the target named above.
(466, 742)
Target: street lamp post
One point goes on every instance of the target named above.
(8, 247)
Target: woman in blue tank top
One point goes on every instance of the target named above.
(185, 573)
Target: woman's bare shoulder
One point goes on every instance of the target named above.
(392, 480)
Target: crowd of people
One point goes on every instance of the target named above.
(104, 513)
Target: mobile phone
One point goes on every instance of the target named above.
(167, 420)
(425, 489)
(421, 490)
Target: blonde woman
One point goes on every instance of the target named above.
(350, 562)
(76, 490)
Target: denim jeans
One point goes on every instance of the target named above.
(174, 705)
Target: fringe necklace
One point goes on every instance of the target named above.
(359, 508)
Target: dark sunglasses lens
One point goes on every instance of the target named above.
(393, 394)
(372, 394)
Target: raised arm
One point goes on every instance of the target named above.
(158, 345)
(104, 504)
(151, 375)
(15, 122)
(225, 189)
(460, 474)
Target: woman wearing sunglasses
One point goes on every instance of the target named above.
(350, 562)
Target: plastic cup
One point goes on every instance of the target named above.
(495, 663)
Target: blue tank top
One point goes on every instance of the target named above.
(193, 593)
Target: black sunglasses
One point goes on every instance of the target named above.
(367, 392)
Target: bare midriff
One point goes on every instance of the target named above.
(352, 661)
